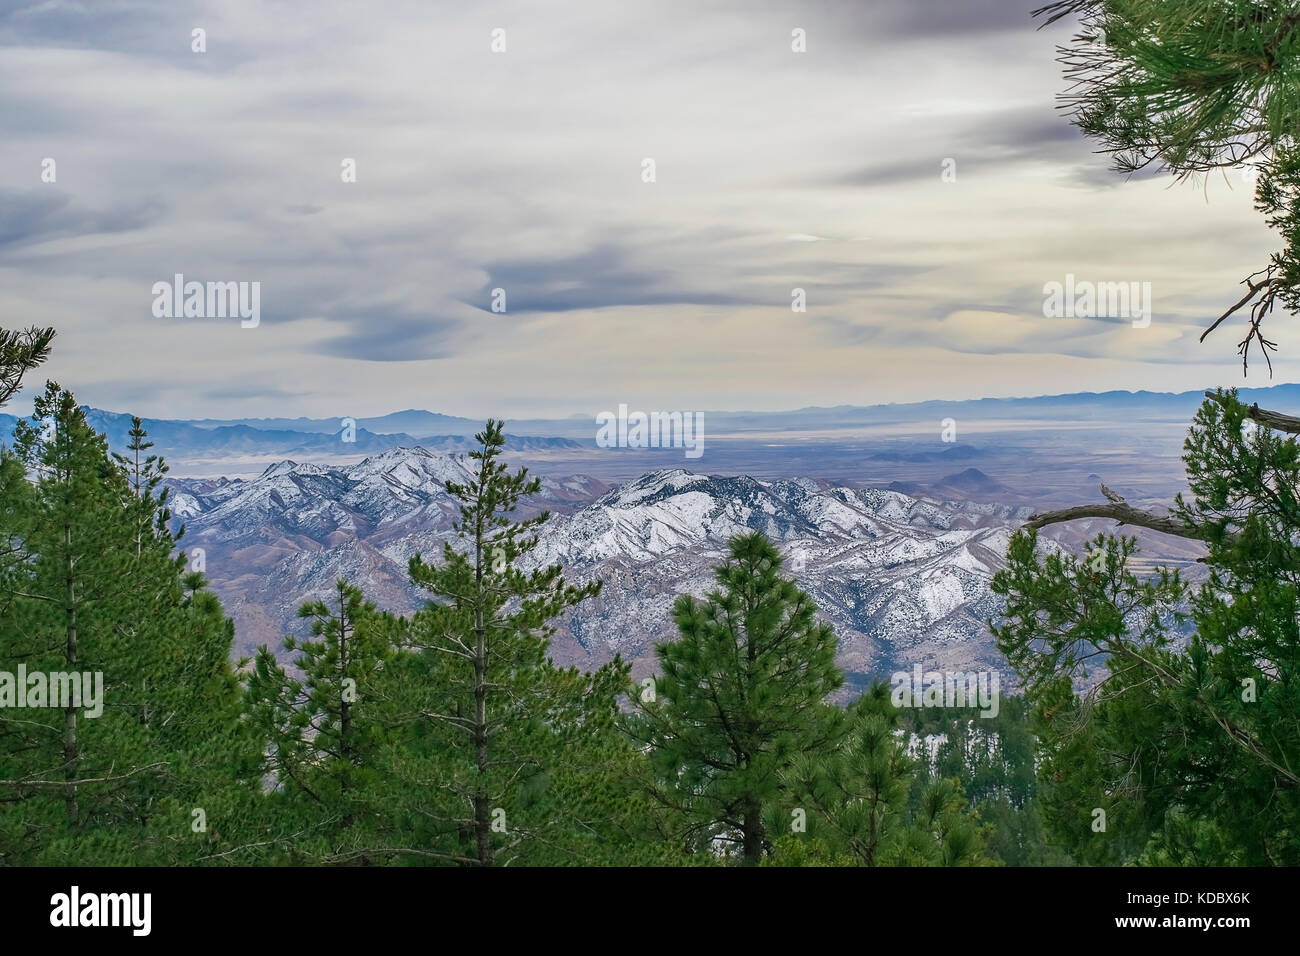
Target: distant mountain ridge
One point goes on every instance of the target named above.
(1071, 405)
(412, 426)
(902, 578)
(411, 421)
(1039, 446)
(185, 440)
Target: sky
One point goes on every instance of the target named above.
(909, 170)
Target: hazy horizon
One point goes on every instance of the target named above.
(21, 407)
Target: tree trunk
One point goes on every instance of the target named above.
(482, 812)
(754, 833)
(70, 755)
(345, 708)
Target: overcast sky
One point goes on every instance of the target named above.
(523, 170)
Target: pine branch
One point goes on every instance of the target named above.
(1274, 420)
(20, 352)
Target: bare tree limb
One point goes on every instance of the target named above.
(1274, 420)
(1267, 285)
(1121, 511)
(24, 784)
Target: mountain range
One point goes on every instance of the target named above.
(895, 537)
(246, 446)
(902, 579)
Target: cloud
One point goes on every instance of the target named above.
(994, 143)
(599, 278)
(159, 31)
(35, 215)
(380, 334)
(928, 18)
(522, 171)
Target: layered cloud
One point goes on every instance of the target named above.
(524, 171)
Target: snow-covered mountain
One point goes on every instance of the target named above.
(901, 579)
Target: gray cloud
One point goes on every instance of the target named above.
(994, 142)
(250, 390)
(928, 18)
(385, 334)
(863, 23)
(522, 171)
(38, 214)
(601, 277)
(158, 31)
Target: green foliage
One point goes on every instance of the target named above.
(90, 584)
(20, 352)
(452, 738)
(791, 849)
(1186, 743)
(857, 797)
(503, 756)
(320, 732)
(994, 758)
(1193, 86)
(1277, 196)
(739, 695)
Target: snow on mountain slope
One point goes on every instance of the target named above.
(901, 579)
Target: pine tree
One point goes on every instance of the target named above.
(320, 731)
(1186, 748)
(496, 737)
(738, 697)
(865, 800)
(87, 592)
(55, 620)
(143, 476)
(1194, 86)
(993, 758)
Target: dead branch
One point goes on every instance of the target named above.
(1274, 420)
(1117, 509)
(24, 784)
